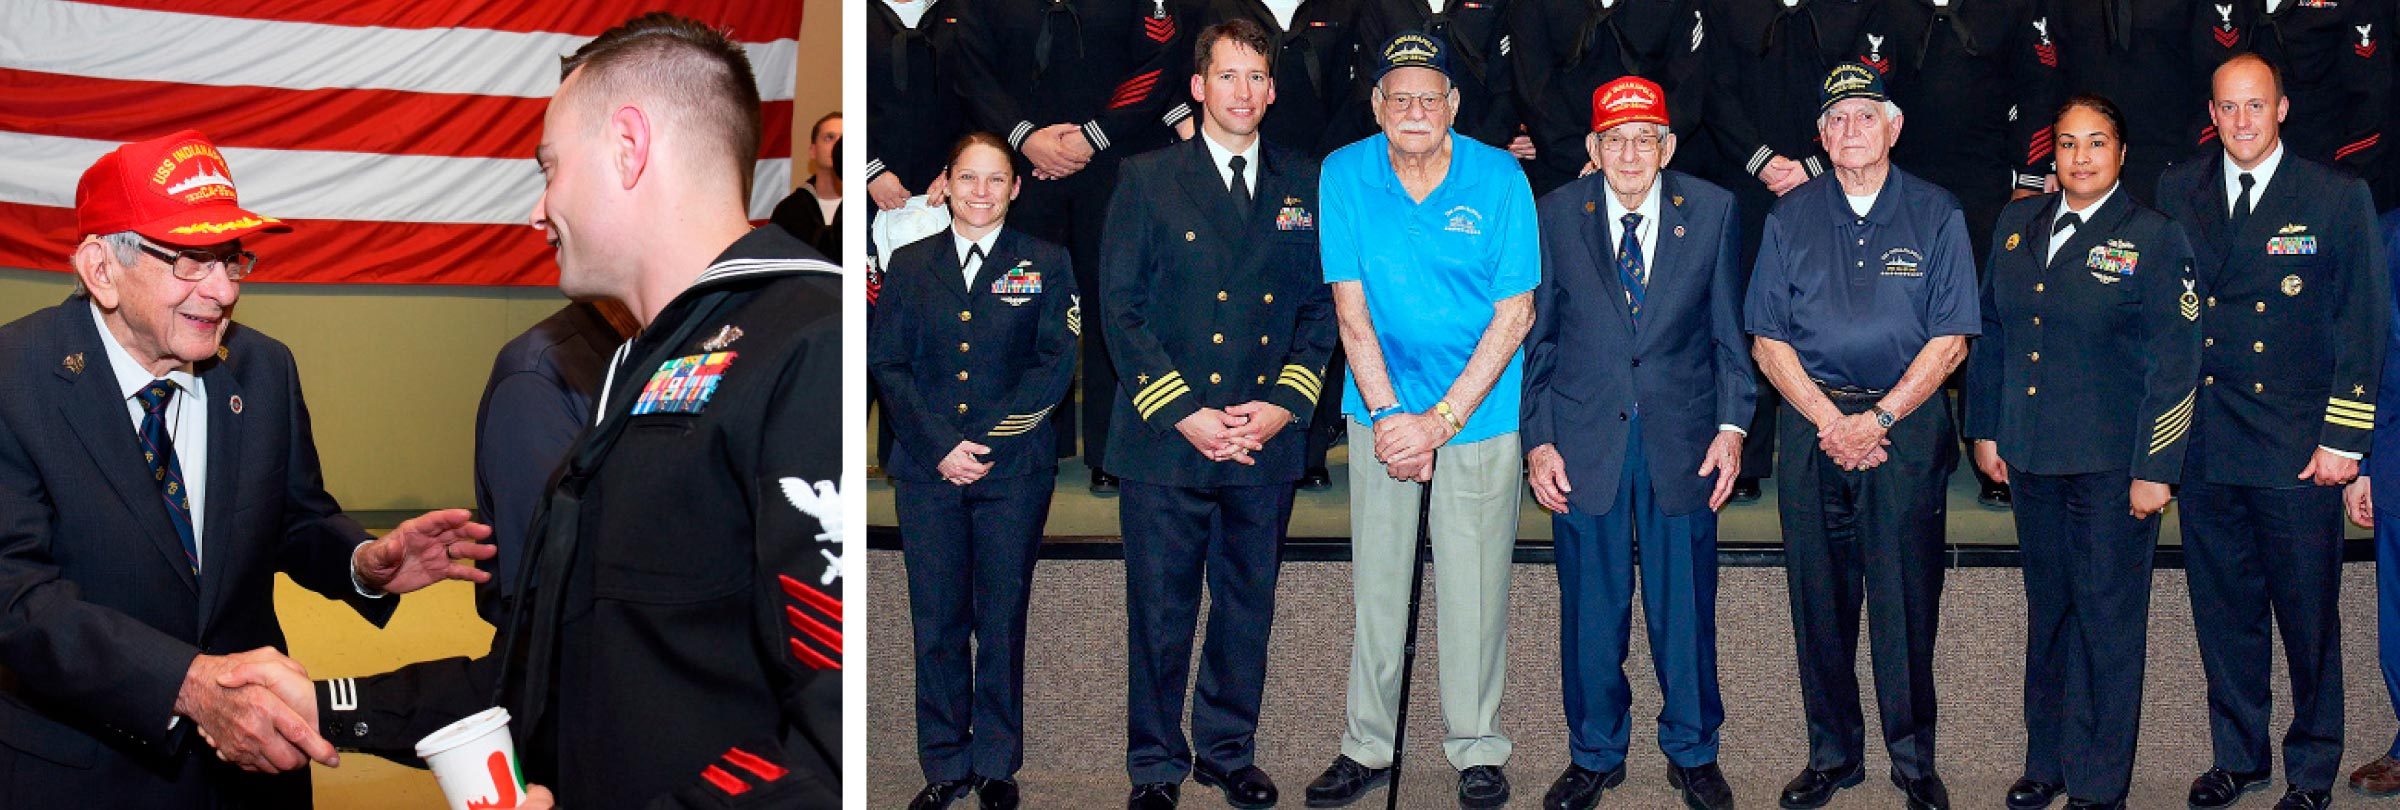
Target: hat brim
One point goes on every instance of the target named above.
(209, 225)
(1633, 118)
(1388, 69)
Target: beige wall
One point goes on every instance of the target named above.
(820, 88)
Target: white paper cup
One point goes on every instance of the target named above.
(475, 762)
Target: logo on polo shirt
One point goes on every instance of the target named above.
(1465, 220)
(1903, 262)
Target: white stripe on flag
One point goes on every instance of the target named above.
(297, 184)
(58, 36)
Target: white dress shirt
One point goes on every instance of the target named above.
(2084, 216)
(963, 244)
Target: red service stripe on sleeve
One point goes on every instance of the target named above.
(752, 763)
(815, 629)
(732, 785)
(1133, 89)
(2357, 145)
(814, 659)
(2040, 150)
(2208, 134)
(812, 597)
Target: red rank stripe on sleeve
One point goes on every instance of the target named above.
(1133, 90)
(1159, 29)
(2208, 133)
(815, 642)
(2226, 37)
(734, 785)
(2046, 52)
(2044, 142)
(2355, 146)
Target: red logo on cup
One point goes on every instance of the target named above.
(504, 782)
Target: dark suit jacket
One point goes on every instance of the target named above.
(535, 405)
(1687, 364)
(985, 362)
(100, 614)
(2294, 319)
(2383, 462)
(2089, 360)
(1209, 306)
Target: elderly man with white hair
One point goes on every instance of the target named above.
(1862, 302)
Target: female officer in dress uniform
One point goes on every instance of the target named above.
(2084, 382)
(973, 346)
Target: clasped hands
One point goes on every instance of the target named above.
(1855, 441)
(1057, 151)
(258, 708)
(1405, 443)
(1233, 433)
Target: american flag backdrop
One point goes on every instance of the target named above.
(396, 136)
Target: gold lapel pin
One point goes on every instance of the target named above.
(224, 354)
(1679, 204)
(74, 363)
(1589, 207)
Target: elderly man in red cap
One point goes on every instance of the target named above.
(156, 471)
(1637, 384)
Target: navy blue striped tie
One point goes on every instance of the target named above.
(159, 450)
(1629, 264)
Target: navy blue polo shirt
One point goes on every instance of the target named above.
(1858, 296)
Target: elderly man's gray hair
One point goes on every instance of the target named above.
(1890, 110)
(126, 246)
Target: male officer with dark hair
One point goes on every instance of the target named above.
(1221, 322)
(1640, 304)
(1074, 86)
(1862, 303)
(2292, 352)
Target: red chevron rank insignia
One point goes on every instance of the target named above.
(1159, 29)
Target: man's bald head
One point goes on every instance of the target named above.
(682, 70)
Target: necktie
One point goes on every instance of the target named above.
(1241, 188)
(158, 450)
(1629, 264)
(2241, 203)
(972, 265)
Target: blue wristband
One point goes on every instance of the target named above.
(1378, 414)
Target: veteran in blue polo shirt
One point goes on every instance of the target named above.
(1429, 241)
(1861, 303)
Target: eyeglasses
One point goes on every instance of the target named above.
(1644, 144)
(193, 264)
(1430, 102)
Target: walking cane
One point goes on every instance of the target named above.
(1408, 654)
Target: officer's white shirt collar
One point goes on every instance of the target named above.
(1223, 158)
(910, 13)
(2083, 216)
(186, 416)
(1284, 11)
(2261, 175)
(1647, 233)
(963, 244)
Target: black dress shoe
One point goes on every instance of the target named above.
(2297, 799)
(2028, 794)
(1344, 781)
(1703, 786)
(2221, 788)
(1247, 788)
(2082, 804)
(1923, 793)
(1745, 490)
(1316, 479)
(1153, 796)
(1994, 496)
(938, 795)
(1103, 483)
(995, 794)
(1482, 787)
(1813, 788)
(1579, 787)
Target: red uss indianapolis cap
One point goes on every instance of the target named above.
(176, 189)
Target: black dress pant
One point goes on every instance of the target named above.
(2087, 591)
(1174, 538)
(1874, 536)
(1070, 213)
(970, 552)
(2255, 556)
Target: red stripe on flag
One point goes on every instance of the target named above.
(328, 251)
(731, 784)
(391, 122)
(814, 659)
(750, 21)
(812, 597)
(757, 766)
(815, 629)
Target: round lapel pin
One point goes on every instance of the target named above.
(235, 403)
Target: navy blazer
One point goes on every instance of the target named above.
(1686, 365)
(100, 614)
(2383, 460)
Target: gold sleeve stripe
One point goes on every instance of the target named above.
(1156, 391)
(1018, 423)
(1075, 318)
(2182, 410)
(2338, 408)
(2352, 404)
(1304, 373)
(1306, 391)
(1161, 401)
(2349, 423)
(2168, 434)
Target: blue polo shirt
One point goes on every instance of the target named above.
(1432, 270)
(1858, 296)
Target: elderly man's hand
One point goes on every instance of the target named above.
(1850, 439)
(1402, 437)
(2358, 500)
(425, 550)
(1547, 471)
(1724, 460)
(257, 727)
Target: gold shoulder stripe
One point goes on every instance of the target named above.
(2361, 407)
(1152, 392)
(2349, 423)
(2181, 410)
(1164, 397)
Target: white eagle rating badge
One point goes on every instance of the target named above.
(823, 501)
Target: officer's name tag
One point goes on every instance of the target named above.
(1904, 263)
(1019, 280)
(2112, 262)
(684, 384)
(1294, 216)
(2300, 245)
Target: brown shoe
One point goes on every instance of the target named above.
(2379, 778)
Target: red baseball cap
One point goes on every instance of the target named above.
(175, 189)
(1626, 100)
